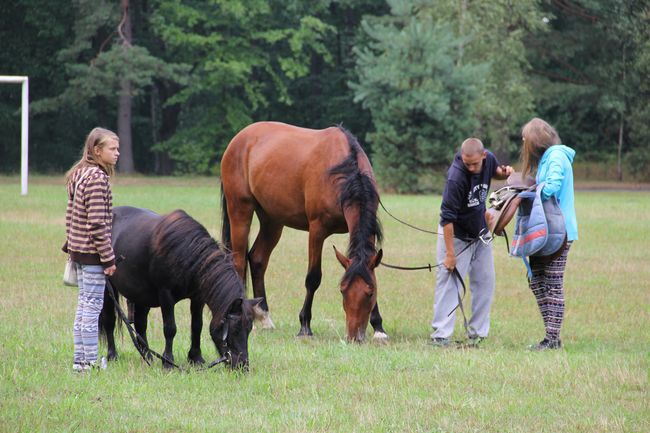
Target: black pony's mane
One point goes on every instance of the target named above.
(195, 259)
(358, 190)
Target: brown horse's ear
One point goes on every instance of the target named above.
(344, 261)
(254, 302)
(376, 259)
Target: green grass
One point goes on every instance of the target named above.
(598, 383)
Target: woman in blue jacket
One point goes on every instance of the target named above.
(543, 154)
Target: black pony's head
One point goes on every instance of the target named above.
(230, 334)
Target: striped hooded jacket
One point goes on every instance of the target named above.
(89, 219)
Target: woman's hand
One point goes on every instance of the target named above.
(110, 270)
(503, 171)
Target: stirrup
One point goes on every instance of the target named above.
(485, 236)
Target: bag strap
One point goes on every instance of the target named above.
(528, 195)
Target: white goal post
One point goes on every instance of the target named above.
(24, 127)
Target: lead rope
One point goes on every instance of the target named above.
(455, 273)
(405, 223)
(430, 267)
(138, 341)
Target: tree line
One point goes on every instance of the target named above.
(178, 79)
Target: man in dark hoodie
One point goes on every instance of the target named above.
(462, 220)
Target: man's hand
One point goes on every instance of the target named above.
(450, 262)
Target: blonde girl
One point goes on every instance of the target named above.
(89, 225)
(543, 154)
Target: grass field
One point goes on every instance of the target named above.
(598, 383)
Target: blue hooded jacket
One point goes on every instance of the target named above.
(556, 171)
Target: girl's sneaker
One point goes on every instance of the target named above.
(97, 365)
(547, 344)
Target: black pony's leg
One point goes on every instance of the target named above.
(107, 322)
(314, 274)
(376, 322)
(140, 315)
(169, 326)
(196, 310)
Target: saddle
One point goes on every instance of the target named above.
(540, 232)
(505, 201)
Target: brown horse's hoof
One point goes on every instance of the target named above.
(380, 338)
(264, 317)
(305, 333)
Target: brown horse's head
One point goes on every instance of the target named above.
(359, 294)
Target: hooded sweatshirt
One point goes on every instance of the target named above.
(556, 172)
(463, 200)
(89, 218)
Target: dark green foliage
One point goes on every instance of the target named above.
(30, 31)
(244, 55)
(411, 82)
(420, 99)
(590, 76)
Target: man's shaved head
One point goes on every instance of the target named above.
(471, 146)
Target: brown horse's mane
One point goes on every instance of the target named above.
(358, 190)
(196, 260)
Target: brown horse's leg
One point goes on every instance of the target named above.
(376, 321)
(196, 310)
(240, 213)
(258, 257)
(317, 236)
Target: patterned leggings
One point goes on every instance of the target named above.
(89, 305)
(547, 284)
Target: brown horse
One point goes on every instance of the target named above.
(314, 180)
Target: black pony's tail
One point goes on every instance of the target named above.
(108, 313)
(225, 222)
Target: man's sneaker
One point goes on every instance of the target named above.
(546, 344)
(474, 341)
(440, 342)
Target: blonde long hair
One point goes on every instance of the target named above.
(537, 136)
(98, 137)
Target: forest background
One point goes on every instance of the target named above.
(411, 79)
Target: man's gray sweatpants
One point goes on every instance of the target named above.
(476, 260)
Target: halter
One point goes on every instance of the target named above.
(227, 355)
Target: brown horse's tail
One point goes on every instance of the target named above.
(226, 240)
(225, 222)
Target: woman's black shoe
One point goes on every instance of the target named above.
(547, 344)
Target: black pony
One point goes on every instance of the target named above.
(169, 258)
